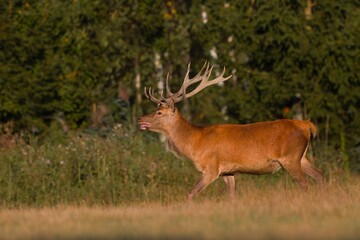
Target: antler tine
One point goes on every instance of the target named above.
(183, 87)
(168, 92)
(207, 72)
(187, 82)
(180, 95)
(151, 96)
(197, 77)
(146, 94)
(162, 95)
(205, 82)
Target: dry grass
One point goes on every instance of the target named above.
(273, 213)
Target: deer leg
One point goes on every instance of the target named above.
(230, 185)
(312, 171)
(203, 182)
(297, 174)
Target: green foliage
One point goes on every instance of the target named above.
(88, 169)
(62, 58)
(122, 168)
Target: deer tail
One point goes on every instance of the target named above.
(312, 128)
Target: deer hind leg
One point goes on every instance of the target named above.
(204, 181)
(230, 185)
(298, 176)
(294, 169)
(292, 160)
(312, 171)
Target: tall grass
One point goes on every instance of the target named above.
(122, 167)
(90, 169)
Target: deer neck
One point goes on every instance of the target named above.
(182, 136)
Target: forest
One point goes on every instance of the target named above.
(76, 69)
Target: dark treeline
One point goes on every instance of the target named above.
(83, 64)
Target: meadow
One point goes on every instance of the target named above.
(268, 213)
(125, 185)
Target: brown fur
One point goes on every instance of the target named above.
(228, 149)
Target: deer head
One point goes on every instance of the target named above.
(166, 114)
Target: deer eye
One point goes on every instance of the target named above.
(159, 113)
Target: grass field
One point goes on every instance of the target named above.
(271, 213)
(125, 185)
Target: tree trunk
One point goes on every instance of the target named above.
(137, 82)
(308, 9)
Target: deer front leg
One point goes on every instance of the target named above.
(230, 185)
(203, 182)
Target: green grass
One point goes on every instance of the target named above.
(123, 167)
(90, 169)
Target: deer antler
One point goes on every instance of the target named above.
(202, 76)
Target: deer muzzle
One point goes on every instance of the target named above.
(143, 124)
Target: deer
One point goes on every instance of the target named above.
(223, 150)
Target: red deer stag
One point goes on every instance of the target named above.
(227, 149)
